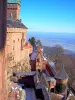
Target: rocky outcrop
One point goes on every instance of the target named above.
(22, 66)
(16, 92)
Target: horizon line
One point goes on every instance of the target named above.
(50, 31)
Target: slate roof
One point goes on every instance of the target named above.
(51, 79)
(33, 56)
(62, 75)
(52, 64)
(25, 73)
(15, 24)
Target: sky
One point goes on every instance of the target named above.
(48, 15)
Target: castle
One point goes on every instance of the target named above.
(17, 49)
(48, 78)
(16, 55)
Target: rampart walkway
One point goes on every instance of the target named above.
(30, 94)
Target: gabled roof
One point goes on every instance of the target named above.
(62, 75)
(33, 56)
(15, 24)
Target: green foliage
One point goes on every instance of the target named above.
(60, 88)
(32, 41)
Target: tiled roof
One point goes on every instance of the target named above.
(62, 75)
(15, 24)
(28, 45)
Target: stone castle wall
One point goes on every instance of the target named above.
(15, 50)
(3, 76)
(17, 55)
(14, 9)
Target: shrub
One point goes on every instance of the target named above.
(60, 88)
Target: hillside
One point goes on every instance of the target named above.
(51, 50)
(68, 60)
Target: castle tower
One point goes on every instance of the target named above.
(40, 59)
(61, 80)
(13, 9)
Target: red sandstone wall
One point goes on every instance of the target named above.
(3, 77)
(14, 9)
(13, 44)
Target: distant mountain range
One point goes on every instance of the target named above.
(48, 50)
(66, 40)
(69, 52)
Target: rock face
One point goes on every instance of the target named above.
(16, 92)
(23, 66)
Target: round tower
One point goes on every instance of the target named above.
(13, 7)
(61, 81)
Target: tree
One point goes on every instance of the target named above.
(60, 88)
(58, 52)
(38, 43)
(32, 41)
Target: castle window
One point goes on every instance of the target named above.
(13, 41)
(11, 16)
(22, 41)
(13, 48)
(13, 58)
(14, 15)
(18, 39)
(21, 44)
(22, 35)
